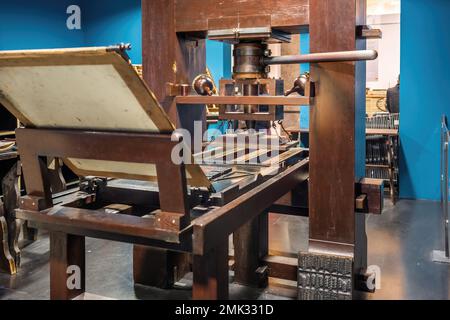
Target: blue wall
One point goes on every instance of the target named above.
(218, 60)
(424, 94)
(31, 24)
(39, 24)
(304, 67)
(110, 22)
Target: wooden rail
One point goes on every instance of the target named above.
(260, 100)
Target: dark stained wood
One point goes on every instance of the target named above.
(211, 273)
(139, 148)
(160, 267)
(332, 178)
(251, 245)
(37, 181)
(373, 191)
(173, 178)
(89, 222)
(222, 222)
(96, 145)
(170, 58)
(337, 129)
(250, 116)
(136, 148)
(66, 250)
(288, 15)
(282, 267)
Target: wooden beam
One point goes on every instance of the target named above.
(337, 150)
(223, 221)
(200, 16)
(373, 192)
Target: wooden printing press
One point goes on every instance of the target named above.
(15, 234)
(89, 108)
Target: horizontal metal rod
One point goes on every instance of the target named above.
(359, 55)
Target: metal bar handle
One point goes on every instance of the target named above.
(357, 55)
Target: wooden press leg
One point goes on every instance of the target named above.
(251, 245)
(211, 274)
(158, 267)
(336, 236)
(67, 266)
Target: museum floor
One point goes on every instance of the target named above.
(400, 243)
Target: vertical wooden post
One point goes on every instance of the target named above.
(67, 266)
(36, 172)
(251, 245)
(169, 57)
(160, 267)
(337, 122)
(211, 274)
(173, 58)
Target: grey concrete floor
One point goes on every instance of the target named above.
(400, 243)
